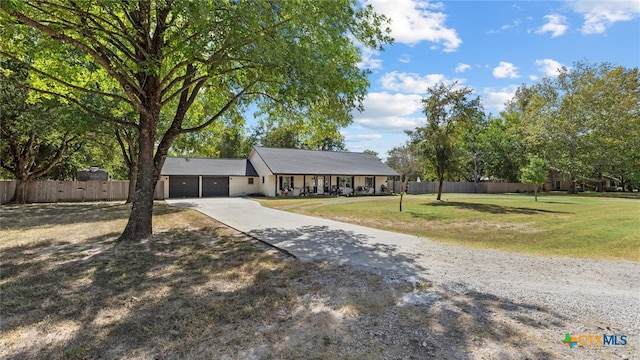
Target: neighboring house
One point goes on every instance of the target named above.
(556, 181)
(276, 172)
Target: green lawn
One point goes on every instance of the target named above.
(577, 226)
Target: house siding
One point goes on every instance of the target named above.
(268, 188)
(239, 185)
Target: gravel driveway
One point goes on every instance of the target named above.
(600, 295)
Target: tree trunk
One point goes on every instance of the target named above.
(133, 177)
(403, 189)
(440, 189)
(475, 172)
(20, 195)
(572, 185)
(535, 192)
(139, 226)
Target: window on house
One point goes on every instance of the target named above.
(345, 182)
(286, 182)
(368, 181)
(263, 179)
(250, 181)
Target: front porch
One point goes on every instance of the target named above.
(328, 185)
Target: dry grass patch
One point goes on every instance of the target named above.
(197, 289)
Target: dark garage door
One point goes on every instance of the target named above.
(215, 186)
(183, 186)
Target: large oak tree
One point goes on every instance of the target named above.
(36, 135)
(585, 121)
(161, 56)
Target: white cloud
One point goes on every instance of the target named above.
(505, 70)
(599, 15)
(494, 99)
(411, 82)
(462, 67)
(362, 137)
(533, 77)
(390, 112)
(413, 21)
(369, 60)
(405, 58)
(504, 27)
(548, 67)
(515, 23)
(392, 123)
(556, 25)
(381, 105)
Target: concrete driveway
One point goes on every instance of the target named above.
(310, 238)
(606, 290)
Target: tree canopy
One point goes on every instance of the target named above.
(585, 121)
(37, 135)
(535, 173)
(294, 60)
(449, 112)
(406, 161)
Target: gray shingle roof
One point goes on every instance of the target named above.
(311, 162)
(207, 167)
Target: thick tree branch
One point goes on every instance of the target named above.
(128, 158)
(185, 87)
(217, 115)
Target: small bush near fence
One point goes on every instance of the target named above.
(48, 191)
(416, 188)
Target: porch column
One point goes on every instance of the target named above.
(374, 185)
(304, 184)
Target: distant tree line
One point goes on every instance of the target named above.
(583, 123)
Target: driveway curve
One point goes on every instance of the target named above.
(606, 291)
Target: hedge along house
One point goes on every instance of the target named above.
(276, 172)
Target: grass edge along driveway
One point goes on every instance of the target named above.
(557, 225)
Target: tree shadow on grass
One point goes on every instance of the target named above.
(494, 209)
(14, 217)
(209, 294)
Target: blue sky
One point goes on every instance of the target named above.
(490, 46)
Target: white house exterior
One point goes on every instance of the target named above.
(276, 172)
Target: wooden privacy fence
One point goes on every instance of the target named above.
(415, 188)
(48, 191)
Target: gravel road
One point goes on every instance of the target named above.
(604, 290)
(590, 296)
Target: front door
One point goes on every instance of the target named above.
(320, 184)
